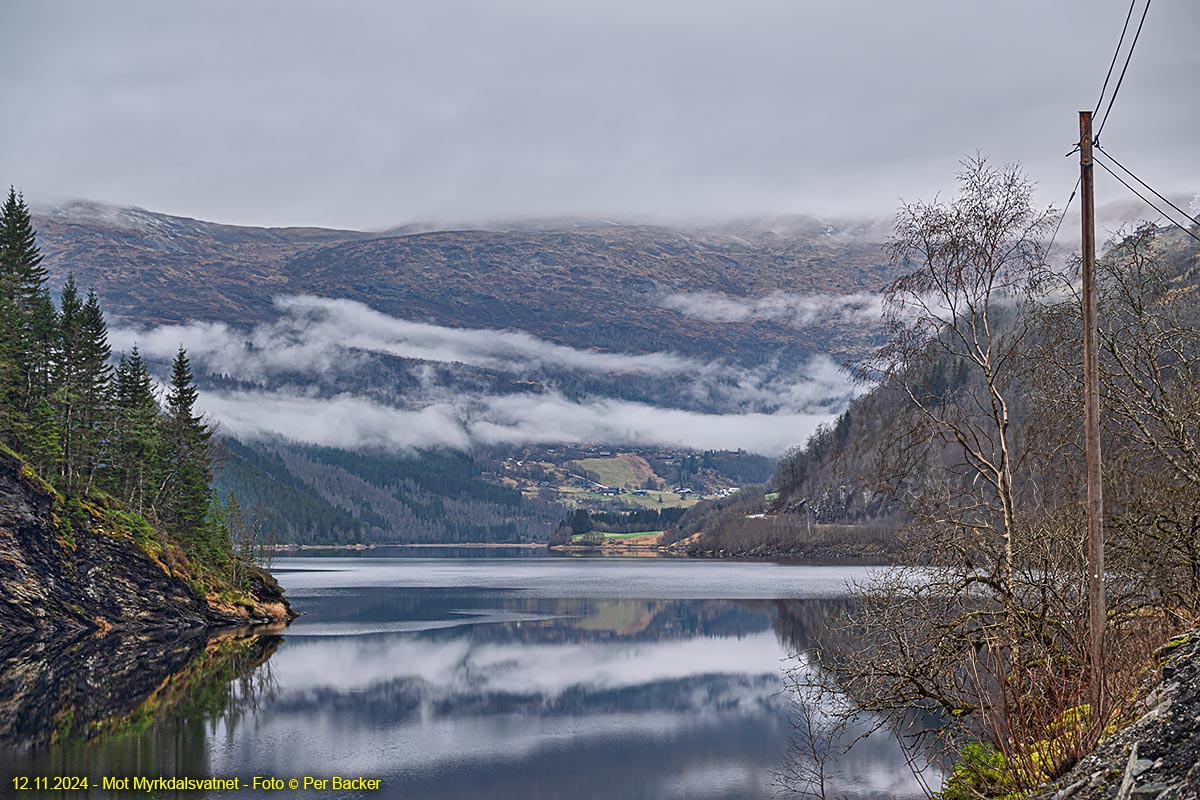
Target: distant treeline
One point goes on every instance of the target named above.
(311, 494)
(581, 520)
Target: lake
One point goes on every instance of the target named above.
(462, 674)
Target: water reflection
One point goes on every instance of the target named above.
(458, 678)
(125, 704)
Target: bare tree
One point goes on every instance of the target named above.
(820, 719)
(1150, 357)
(957, 344)
(985, 630)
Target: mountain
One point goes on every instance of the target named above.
(594, 284)
(605, 325)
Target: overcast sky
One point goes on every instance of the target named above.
(369, 114)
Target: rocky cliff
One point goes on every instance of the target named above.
(71, 570)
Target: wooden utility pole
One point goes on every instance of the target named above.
(1097, 611)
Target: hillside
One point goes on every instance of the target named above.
(70, 568)
(842, 491)
(587, 284)
(302, 494)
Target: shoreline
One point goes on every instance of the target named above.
(615, 548)
(286, 548)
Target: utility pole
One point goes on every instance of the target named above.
(1091, 416)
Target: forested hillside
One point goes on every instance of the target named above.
(305, 494)
(970, 444)
(281, 507)
(96, 440)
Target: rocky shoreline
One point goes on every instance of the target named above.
(92, 575)
(1158, 756)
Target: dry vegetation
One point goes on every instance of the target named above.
(973, 437)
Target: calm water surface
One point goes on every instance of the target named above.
(487, 675)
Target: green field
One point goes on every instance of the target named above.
(572, 496)
(630, 535)
(619, 536)
(629, 472)
(655, 499)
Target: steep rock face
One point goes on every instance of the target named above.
(94, 578)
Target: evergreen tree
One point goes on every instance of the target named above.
(21, 271)
(135, 433)
(210, 546)
(43, 343)
(41, 444)
(27, 316)
(95, 385)
(69, 379)
(12, 421)
(183, 498)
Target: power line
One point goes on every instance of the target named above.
(1063, 215)
(1165, 215)
(1121, 79)
(1116, 54)
(1149, 188)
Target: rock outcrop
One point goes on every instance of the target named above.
(1158, 756)
(93, 575)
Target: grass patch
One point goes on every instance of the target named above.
(626, 470)
(620, 536)
(640, 537)
(656, 499)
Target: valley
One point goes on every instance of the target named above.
(427, 385)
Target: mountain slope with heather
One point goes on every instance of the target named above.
(590, 284)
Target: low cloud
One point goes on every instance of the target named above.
(317, 334)
(760, 408)
(322, 337)
(351, 422)
(799, 310)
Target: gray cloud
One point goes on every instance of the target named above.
(322, 336)
(353, 422)
(316, 334)
(795, 309)
(761, 409)
(372, 113)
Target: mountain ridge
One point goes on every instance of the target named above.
(599, 286)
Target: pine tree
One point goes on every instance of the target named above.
(40, 440)
(21, 269)
(43, 346)
(135, 433)
(95, 384)
(183, 498)
(68, 379)
(12, 421)
(23, 289)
